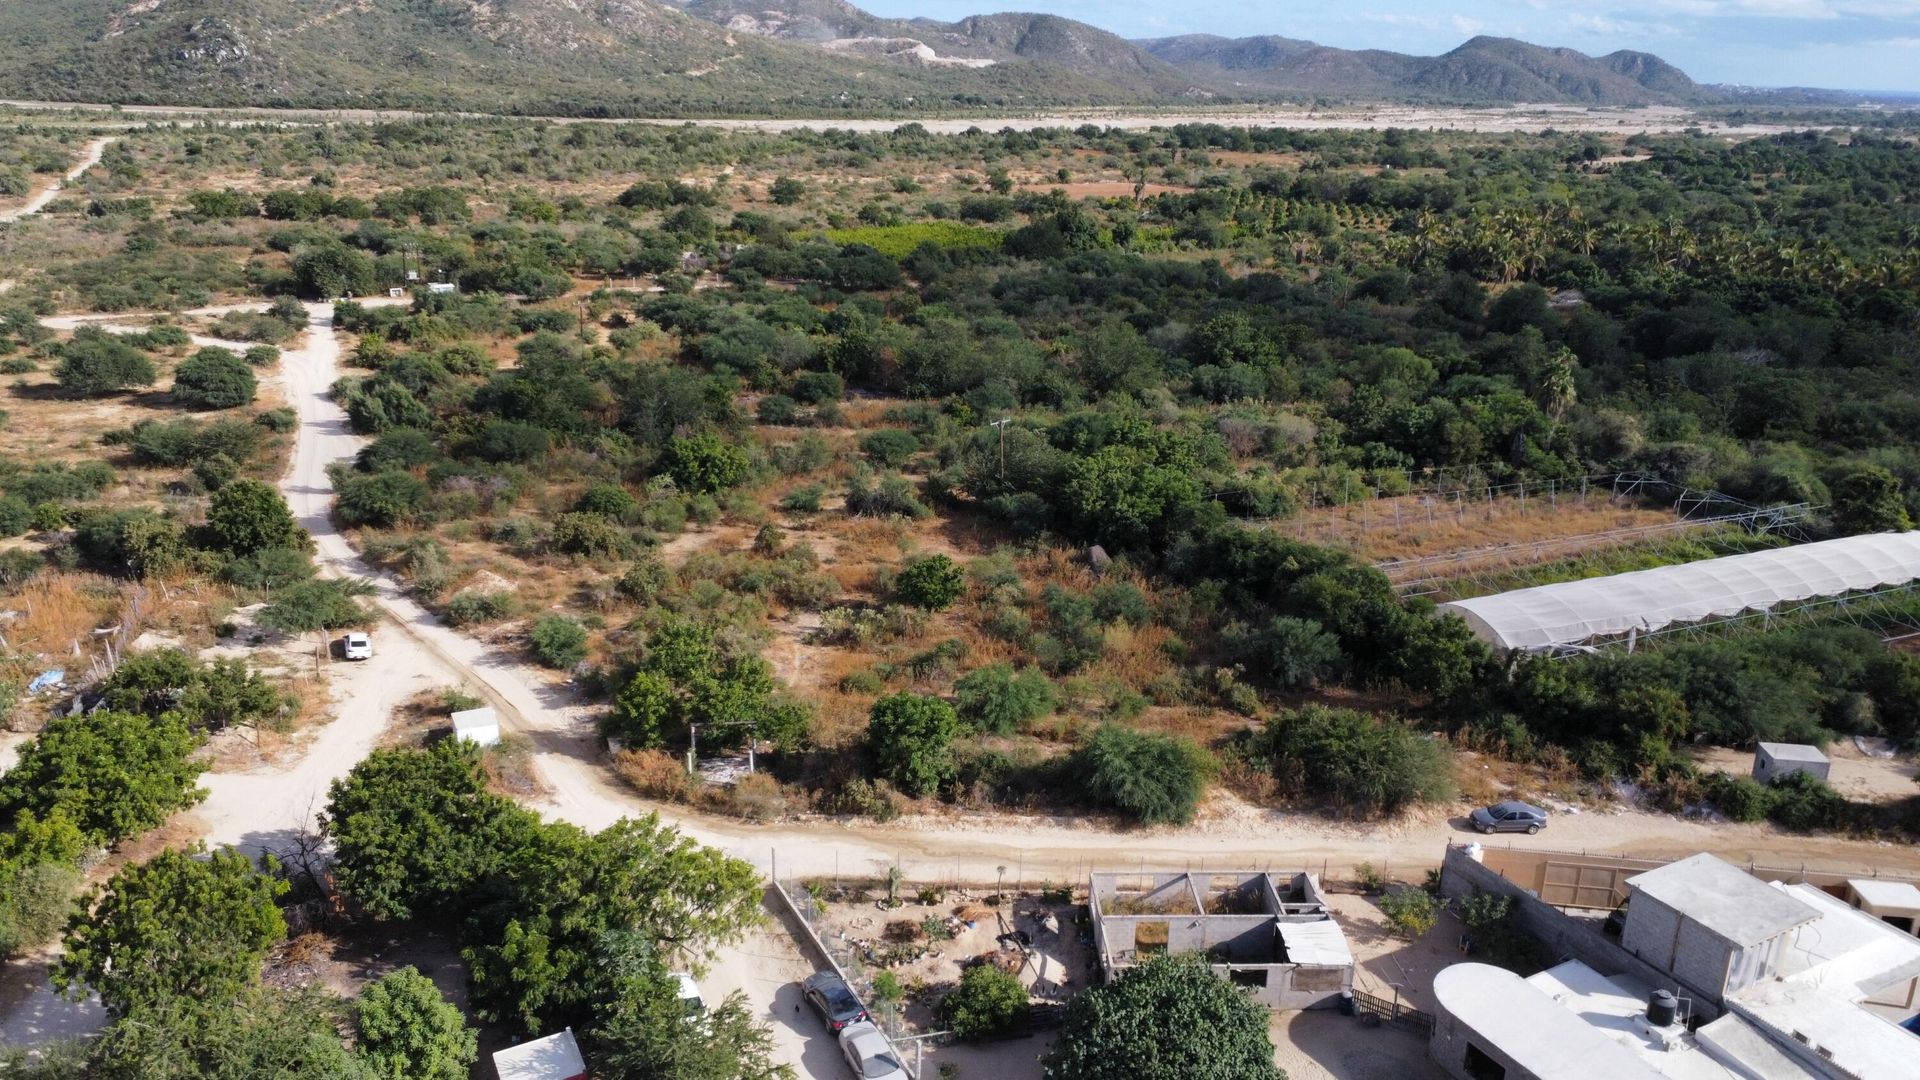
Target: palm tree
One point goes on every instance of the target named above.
(1557, 390)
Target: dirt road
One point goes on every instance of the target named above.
(45, 196)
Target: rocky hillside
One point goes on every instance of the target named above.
(697, 57)
(534, 56)
(1483, 69)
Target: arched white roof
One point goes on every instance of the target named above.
(1572, 612)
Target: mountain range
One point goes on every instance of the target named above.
(692, 57)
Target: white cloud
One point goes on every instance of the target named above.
(1466, 25)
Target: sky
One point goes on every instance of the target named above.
(1836, 44)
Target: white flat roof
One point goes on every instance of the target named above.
(471, 719)
(1887, 895)
(1320, 943)
(1723, 898)
(1844, 957)
(556, 1057)
(1614, 1007)
(1793, 751)
(1537, 1033)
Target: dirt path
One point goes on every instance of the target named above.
(88, 159)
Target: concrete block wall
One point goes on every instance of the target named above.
(1566, 937)
(1671, 942)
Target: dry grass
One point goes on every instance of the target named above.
(1412, 526)
(58, 611)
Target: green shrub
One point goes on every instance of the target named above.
(987, 1002)
(1354, 761)
(15, 515)
(1411, 912)
(558, 641)
(705, 463)
(911, 739)
(382, 499)
(1153, 779)
(803, 500)
(95, 363)
(777, 409)
(469, 607)
(931, 583)
(998, 699)
(889, 448)
(607, 500)
(588, 535)
(214, 378)
(893, 496)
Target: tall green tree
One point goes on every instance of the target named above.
(406, 1030)
(247, 516)
(911, 740)
(1170, 1018)
(175, 930)
(415, 830)
(113, 774)
(642, 1031)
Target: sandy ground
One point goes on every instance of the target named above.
(1323, 1045)
(1624, 121)
(45, 196)
(1854, 774)
(10, 747)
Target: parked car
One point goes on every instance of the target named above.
(690, 994)
(357, 646)
(831, 995)
(869, 1054)
(1509, 817)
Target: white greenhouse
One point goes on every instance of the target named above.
(1573, 613)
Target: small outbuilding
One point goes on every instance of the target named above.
(556, 1057)
(1896, 903)
(1776, 759)
(479, 726)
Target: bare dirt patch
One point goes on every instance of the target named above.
(1414, 526)
(1859, 776)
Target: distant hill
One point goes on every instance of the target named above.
(534, 56)
(758, 57)
(1483, 69)
(1024, 41)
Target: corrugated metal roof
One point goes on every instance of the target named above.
(1318, 944)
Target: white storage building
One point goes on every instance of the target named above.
(1576, 612)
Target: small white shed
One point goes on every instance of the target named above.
(477, 725)
(1776, 759)
(1896, 903)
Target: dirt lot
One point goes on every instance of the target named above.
(1412, 526)
(1855, 774)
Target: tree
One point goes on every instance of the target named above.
(112, 773)
(414, 830)
(705, 463)
(786, 191)
(247, 516)
(263, 1033)
(987, 1002)
(889, 448)
(998, 699)
(214, 378)
(1152, 778)
(382, 499)
(1353, 760)
(321, 604)
(1295, 653)
(96, 363)
(405, 1030)
(643, 1031)
(1411, 912)
(1868, 500)
(558, 641)
(911, 739)
(933, 582)
(176, 929)
(330, 268)
(1170, 1018)
(642, 712)
(537, 960)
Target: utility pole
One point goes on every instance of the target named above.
(693, 747)
(1002, 425)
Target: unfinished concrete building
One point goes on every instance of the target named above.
(1271, 933)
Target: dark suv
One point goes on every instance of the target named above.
(830, 994)
(1509, 817)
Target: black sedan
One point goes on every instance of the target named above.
(835, 1001)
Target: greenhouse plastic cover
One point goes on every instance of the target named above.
(1572, 612)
